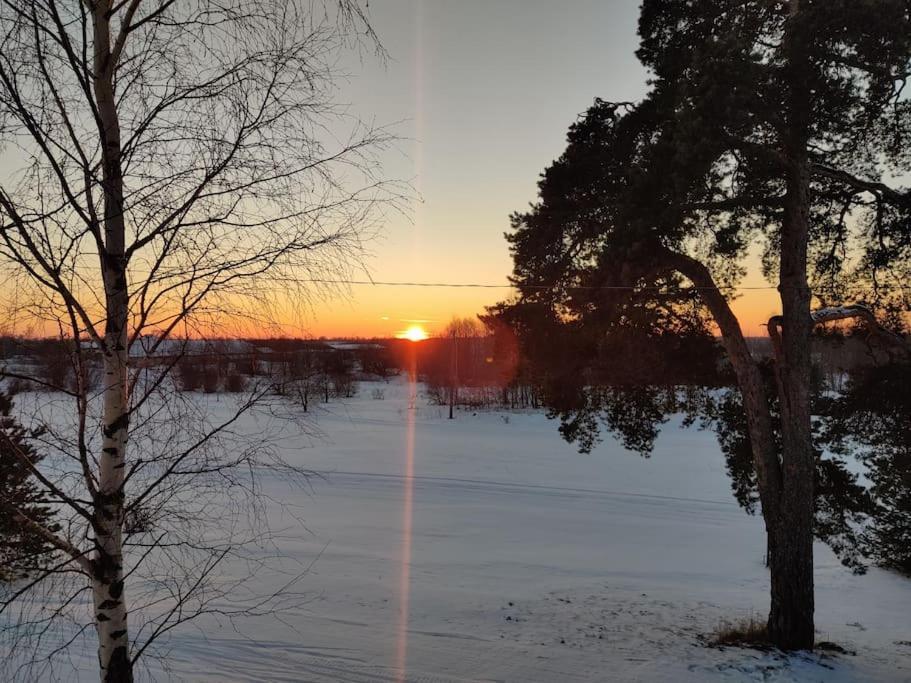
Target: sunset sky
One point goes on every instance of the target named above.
(480, 94)
(484, 92)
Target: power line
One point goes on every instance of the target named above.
(481, 285)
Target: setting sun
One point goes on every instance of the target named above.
(414, 333)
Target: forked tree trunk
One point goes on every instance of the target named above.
(786, 486)
(791, 624)
(791, 619)
(108, 511)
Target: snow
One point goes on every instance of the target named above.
(347, 345)
(823, 315)
(528, 562)
(143, 346)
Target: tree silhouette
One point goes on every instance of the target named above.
(768, 124)
(173, 162)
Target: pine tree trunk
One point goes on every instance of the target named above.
(791, 623)
(791, 617)
(107, 561)
(785, 487)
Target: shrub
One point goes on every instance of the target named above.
(235, 383)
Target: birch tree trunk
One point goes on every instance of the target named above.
(107, 564)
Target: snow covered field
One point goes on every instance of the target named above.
(521, 560)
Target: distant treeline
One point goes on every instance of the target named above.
(305, 367)
(488, 369)
(480, 367)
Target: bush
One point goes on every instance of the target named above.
(189, 375)
(55, 365)
(235, 383)
(209, 379)
(19, 386)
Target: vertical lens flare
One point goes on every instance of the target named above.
(408, 481)
(401, 659)
(417, 255)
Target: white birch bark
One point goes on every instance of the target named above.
(107, 580)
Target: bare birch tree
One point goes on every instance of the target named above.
(173, 161)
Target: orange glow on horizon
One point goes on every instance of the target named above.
(368, 312)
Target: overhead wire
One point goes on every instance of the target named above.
(482, 285)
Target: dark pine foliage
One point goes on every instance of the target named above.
(21, 552)
(844, 506)
(872, 418)
(701, 170)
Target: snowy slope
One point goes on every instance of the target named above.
(528, 562)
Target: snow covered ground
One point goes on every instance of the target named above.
(521, 560)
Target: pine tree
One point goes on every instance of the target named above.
(766, 124)
(22, 552)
